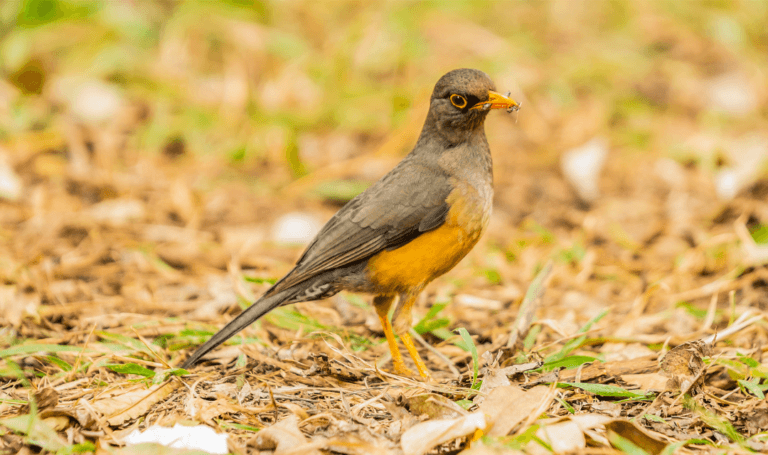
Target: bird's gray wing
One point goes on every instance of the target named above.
(405, 203)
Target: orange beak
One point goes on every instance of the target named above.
(497, 101)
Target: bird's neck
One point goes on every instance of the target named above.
(465, 149)
(447, 133)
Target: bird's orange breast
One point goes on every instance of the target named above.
(432, 253)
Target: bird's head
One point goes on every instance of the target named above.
(460, 102)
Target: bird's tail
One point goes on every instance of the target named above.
(243, 320)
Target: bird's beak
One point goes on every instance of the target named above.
(497, 101)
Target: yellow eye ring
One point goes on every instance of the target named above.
(458, 101)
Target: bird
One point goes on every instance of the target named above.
(410, 227)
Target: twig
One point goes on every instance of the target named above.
(434, 351)
(566, 338)
(737, 326)
(359, 407)
(710, 318)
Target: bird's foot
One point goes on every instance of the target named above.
(402, 370)
(397, 358)
(426, 376)
(411, 347)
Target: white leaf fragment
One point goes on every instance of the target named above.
(199, 437)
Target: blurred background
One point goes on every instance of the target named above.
(163, 162)
(172, 158)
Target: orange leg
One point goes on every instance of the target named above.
(408, 342)
(382, 304)
(402, 320)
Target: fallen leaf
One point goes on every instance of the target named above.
(480, 303)
(507, 406)
(353, 444)
(149, 448)
(282, 437)
(209, 410)
(581, 166)
(117, 212)
(634, 434)
(300, 412)
(684, 364)
(498, 377)
(433, 405)
(646, 381)
(424, 436)
(16, 305)
(198, 438)
(590, 421)
(131, 405)
(563, 437)
(78, 414)
(11, 186)
(46, 398)
(611, 369)
(755, 418)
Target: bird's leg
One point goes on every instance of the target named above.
(402, 325)
(382, 303)
(411, 347)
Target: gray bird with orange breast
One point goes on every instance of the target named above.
(410, 227)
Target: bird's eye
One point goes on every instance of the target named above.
(459, 101)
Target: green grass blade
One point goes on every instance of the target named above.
(472, 350)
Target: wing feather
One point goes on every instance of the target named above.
(407, 202)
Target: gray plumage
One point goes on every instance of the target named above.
(450, 154)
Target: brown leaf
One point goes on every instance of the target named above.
(209, 410)
(352, 444)
(79, 415)
(297, 410)
(46, 398)
(646, 381)
(684, 364)
(611, 369)
(635, 435)
(755, 418)
(434, 406)
(282, 437)
(499, 377)
(133, 404)
(507, 406)
(336, 369)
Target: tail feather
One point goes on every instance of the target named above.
(243, 320)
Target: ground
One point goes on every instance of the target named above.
(162, 163)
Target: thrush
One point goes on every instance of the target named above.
(405, 230)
